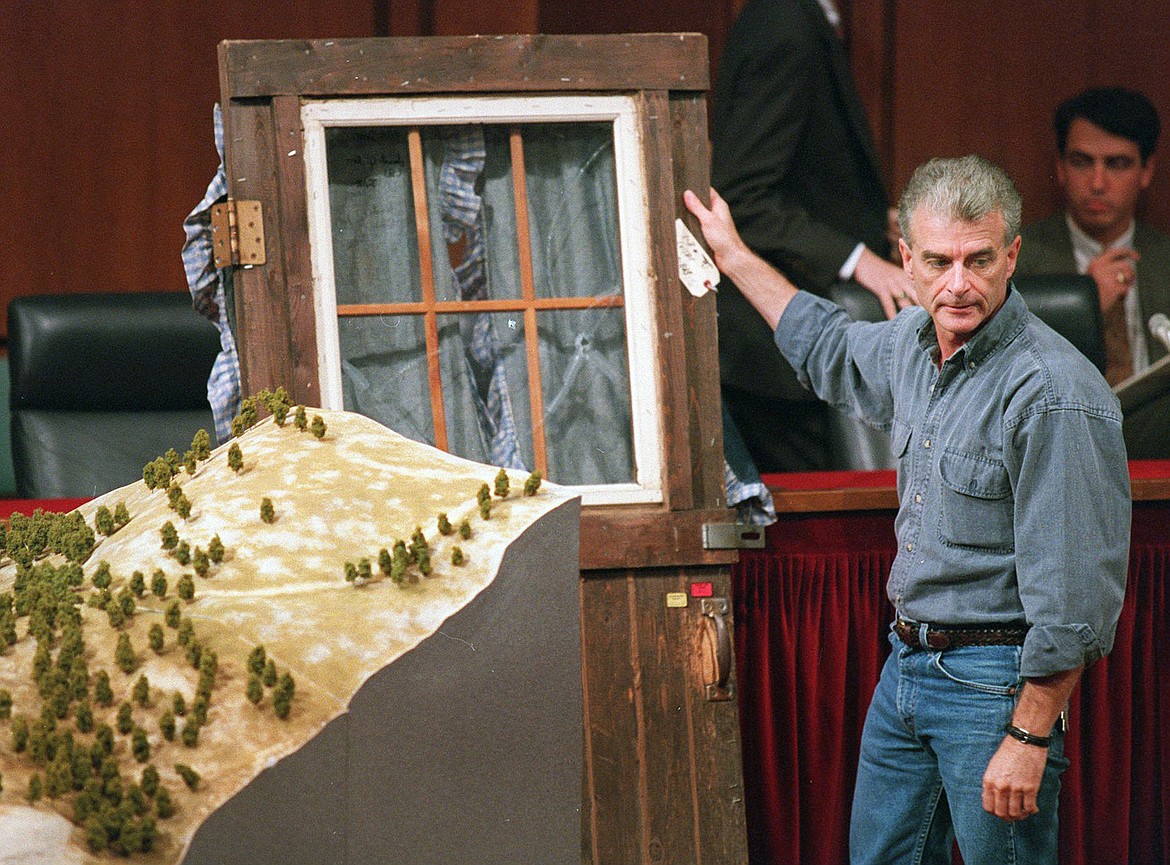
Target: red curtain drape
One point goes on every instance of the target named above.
(810, 624)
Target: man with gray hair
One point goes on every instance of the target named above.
(1012, 526)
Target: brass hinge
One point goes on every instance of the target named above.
(237, 233)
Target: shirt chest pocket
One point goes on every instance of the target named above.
(976, 506)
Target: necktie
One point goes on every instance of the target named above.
(1118, 357)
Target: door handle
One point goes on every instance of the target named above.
(716, 609)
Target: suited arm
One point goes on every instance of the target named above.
(754, 145)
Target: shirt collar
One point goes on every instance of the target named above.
(1085, 248)
(1004, 326)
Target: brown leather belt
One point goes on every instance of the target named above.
(940, 638)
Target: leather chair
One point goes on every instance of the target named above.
(101, 384)
(1066, 303)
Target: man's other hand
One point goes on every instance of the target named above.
(1114, 272)
(890, 284)
(1012, 780)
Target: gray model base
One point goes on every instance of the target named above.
(465, 750)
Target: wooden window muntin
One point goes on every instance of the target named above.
(636, 297)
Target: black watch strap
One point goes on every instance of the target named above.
(1022, 735)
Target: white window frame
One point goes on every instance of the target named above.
(633, 229)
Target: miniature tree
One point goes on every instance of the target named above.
(256, 659)
(456, 556)
(182, 553)
(173, 615)
(532, 485)
(282, 696)
(150, 781)
(485, 509)
(166, 725)
(19, 731)
(102, 576)
(254, 690)
(156, 638)
(300, 419)
(502, 484)
(125, 720)
(179, 705)
(465, 530)
(5, 705)
(190, 776)
(126, 601)
(172, 459)
(158, 584)
(170, 536)
(186, 633)
(444, 525)
(163, 805)
(34, 792)
(137, 584)
(124, 655)
(121, 515)
(483, 494)
(83, 717)
(185, 587)
(103, 695)
(364, 570)
(267, 512)
(269, 675)
(201, 444)
(317, 427)
(139, 745)
(182, 506)
(235, 458)
(190, 462)
(194, 653)
(190, 734)
(385, 561)
(215, 550)
(200, 562)
(103, 520)
(141, 691)
(351, 572)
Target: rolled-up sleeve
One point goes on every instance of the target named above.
(1072, 526)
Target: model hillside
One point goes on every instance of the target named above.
(237, 595)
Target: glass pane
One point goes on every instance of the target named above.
(384, 372)
(572, 207)
(375, 246)
(586, 383)
(472, 212)
(485, 388)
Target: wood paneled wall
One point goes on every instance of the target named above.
(106, 129)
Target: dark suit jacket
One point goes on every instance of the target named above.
(793, 156)
(1047, 248)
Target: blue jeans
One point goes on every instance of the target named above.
(934, 723)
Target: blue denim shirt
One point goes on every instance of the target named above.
(1013, 485)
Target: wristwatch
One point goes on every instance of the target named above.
(1022, 735)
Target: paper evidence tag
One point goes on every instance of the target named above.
(695, 268)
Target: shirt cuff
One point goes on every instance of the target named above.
(850, 265)
(1052, 649)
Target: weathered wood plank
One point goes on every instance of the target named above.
(262, 321)
(643, 538)
(296, 249)
(467, 64)
(715, 746)
(668, 291)
(690, 161)
(613, 814)
(665, 648)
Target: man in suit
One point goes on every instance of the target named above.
(1105, 140)
(793, 157)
